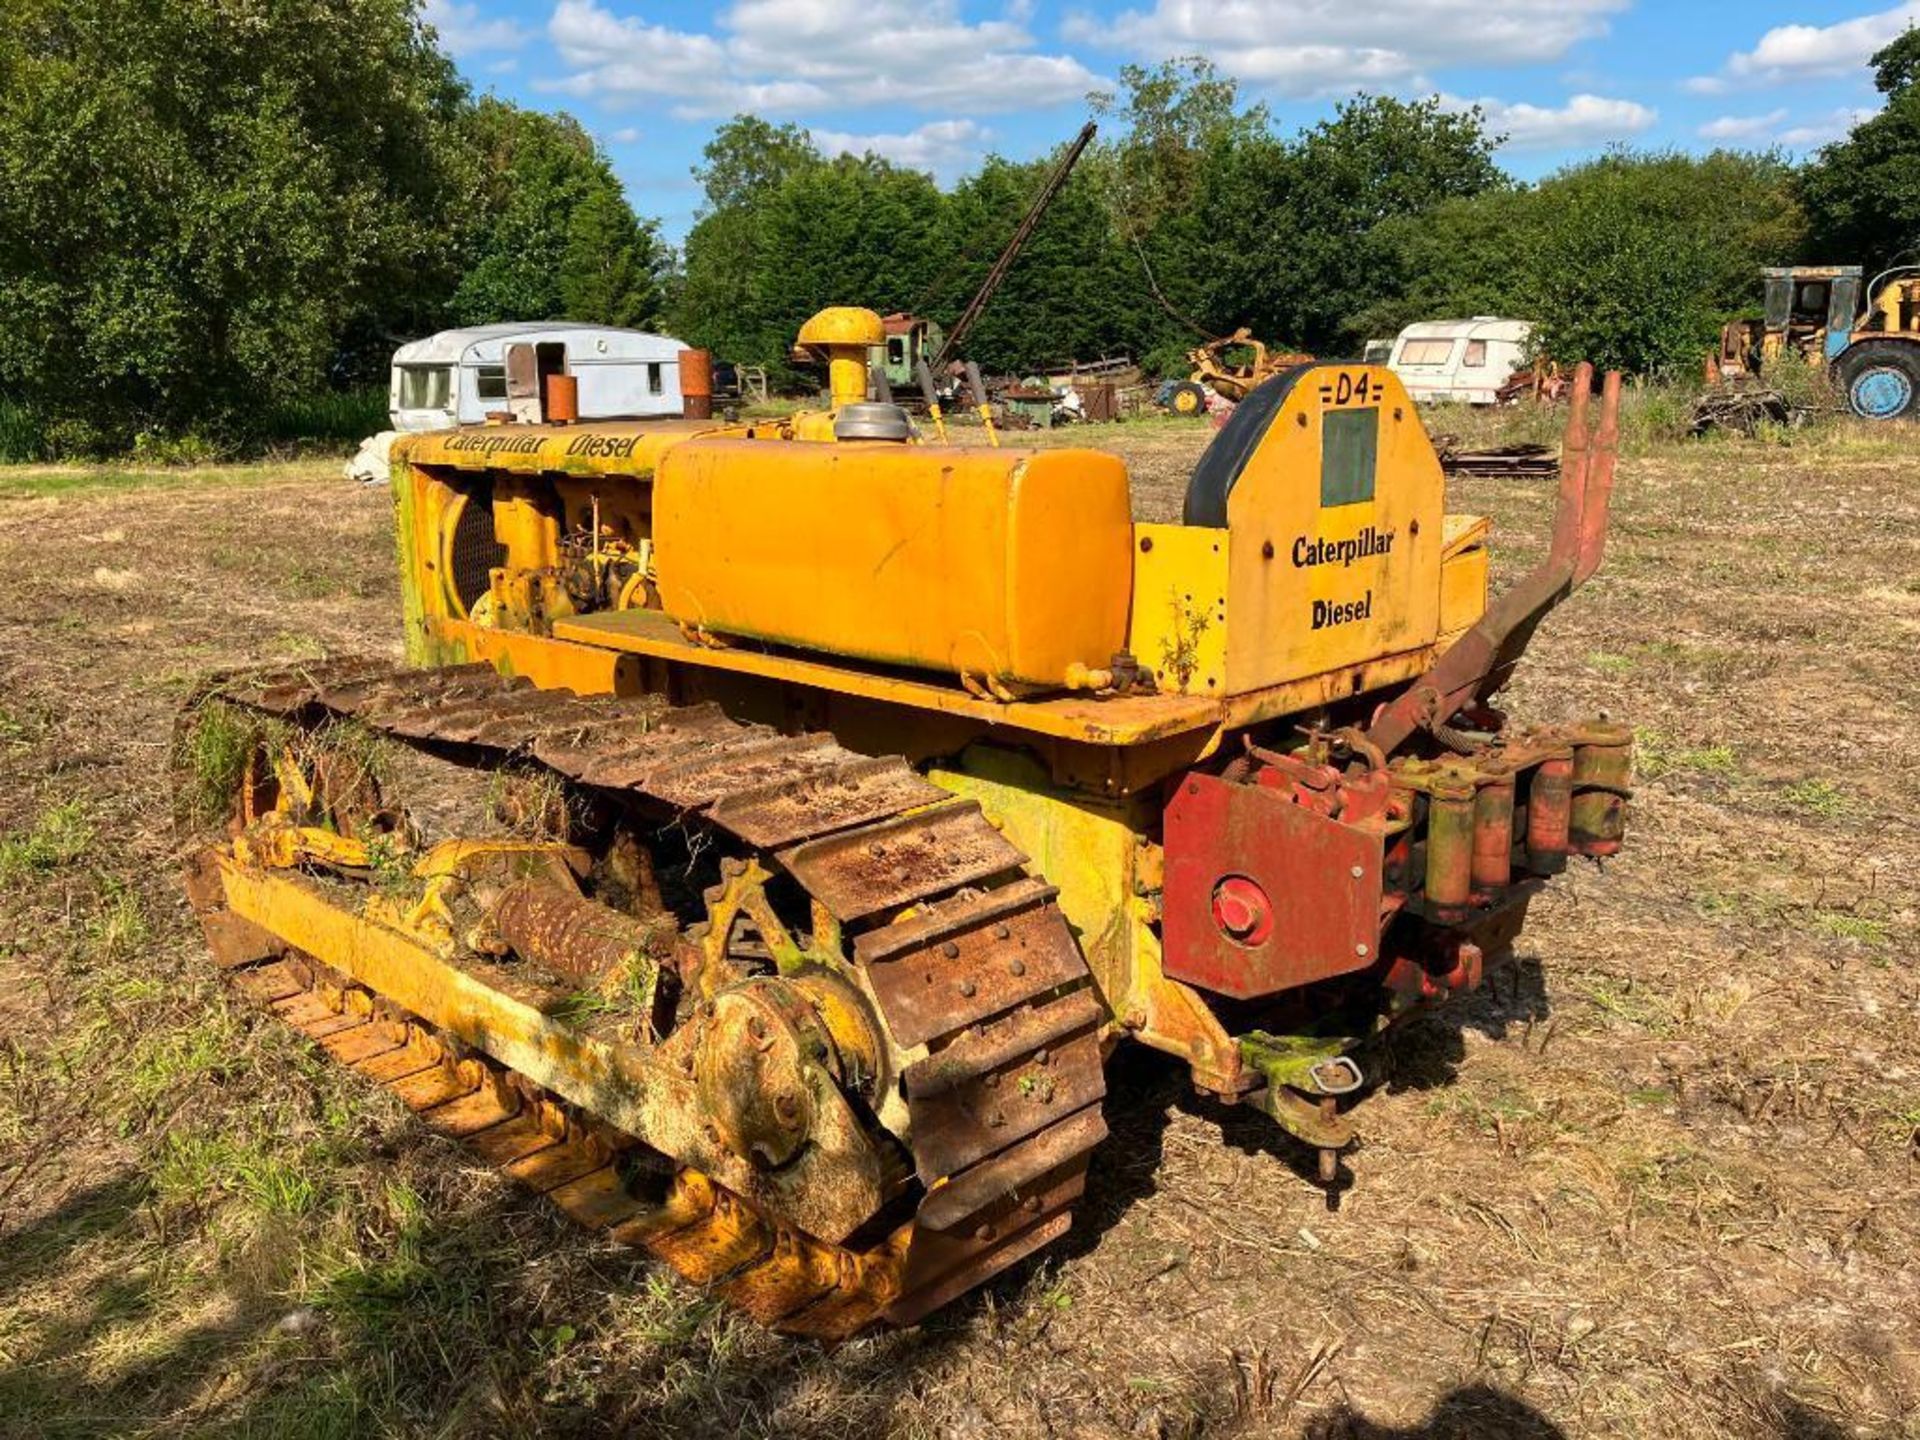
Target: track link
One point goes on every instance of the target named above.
(965, 955)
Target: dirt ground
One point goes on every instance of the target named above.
(1660, 1180)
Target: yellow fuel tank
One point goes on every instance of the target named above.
(1000, 564)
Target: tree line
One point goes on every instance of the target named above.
(1194, 216)
(208, 209)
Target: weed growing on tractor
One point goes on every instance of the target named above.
(581, 1008)
(213, 756)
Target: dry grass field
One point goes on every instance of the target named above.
(1658, 1180)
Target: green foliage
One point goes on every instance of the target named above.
(728, 277)
(344, 416)
(310, 190)
(560, 241)
(199, 204)
(1633, 261)
(59, 836)
(212, 758)
(22, 435)
(1862, 193)
(215, 212)
(1296, 246)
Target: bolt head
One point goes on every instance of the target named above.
(1016, 966)
(967, 988)
(1362, 951)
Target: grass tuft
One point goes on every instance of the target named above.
(1817, 797)
(60, 836)
(1655, 755)
(213, 759)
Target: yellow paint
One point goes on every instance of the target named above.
(1000, 564)
(612, 1083)
(1303, 590)
(1178, 626)
(1001, 577)
(1084, 846)
(550, 664)
(1463, 573)
(829, 1190)
(1295, 564)
(842, 336)
(1897, 299)
(626, 448)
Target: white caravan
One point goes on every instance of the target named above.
(1465, 361)
(459, 376)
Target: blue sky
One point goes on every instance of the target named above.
(939, 83)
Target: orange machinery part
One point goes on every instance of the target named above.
(561, 403)
(696, 384)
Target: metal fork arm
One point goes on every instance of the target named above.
(1477, 664)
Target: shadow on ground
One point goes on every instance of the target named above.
(454, 1327)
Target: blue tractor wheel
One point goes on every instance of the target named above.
(1881, 378)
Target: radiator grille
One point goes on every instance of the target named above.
(474, 552)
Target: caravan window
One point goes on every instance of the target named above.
(1426, 352)
(490, 383)
(1476, 355)
(655, 385)
(426, 387)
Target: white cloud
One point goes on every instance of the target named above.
(1583, 120)
(627, 135)
(1810, 52)
(1828, 128)
(1306, 48)
(946, 147)
(1742, 127)
(783, 56)
(463, 31)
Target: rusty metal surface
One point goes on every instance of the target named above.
(779, 1277)
(973, 961)
(702, 779)
(1476, 665)
(960, 1125)
(1218, 830)
(785, 811)
(1004, 1109)
(568, 933)
(884, 866)
(1014, 1173)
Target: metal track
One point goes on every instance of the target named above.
(963, 953)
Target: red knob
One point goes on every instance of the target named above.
(1242, 911)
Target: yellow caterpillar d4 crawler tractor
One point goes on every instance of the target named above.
(779, 824)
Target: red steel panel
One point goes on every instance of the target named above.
(1321, 878)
